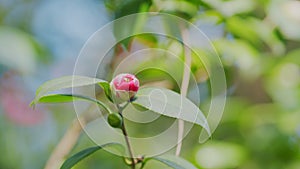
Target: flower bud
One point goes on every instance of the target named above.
(124, 87)
(115, 120)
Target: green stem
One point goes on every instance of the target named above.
(143, 164)
(126, 137)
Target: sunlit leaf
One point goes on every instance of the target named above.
(106, 87)
(171, 104)
(243, 28)
(73, 160)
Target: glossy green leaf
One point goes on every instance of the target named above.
(63, 83)
(171, 104)
(106, 87)
(60, 98)
(172, 161)
(73, 160)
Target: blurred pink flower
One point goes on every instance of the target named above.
(15, 104)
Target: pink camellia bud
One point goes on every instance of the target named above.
(124, 87)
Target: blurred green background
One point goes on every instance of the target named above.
(258, 42)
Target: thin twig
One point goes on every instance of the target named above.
(185, 82)
(129, 146)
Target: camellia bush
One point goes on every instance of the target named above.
(257, 43)
(123, 90)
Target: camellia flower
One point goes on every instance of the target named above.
(14, 102)
(124, 87)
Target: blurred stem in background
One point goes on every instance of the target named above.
(69, 140)
(185, 81)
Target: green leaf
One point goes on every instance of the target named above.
(106, 87)
(73, 160)
(171, 104)
(243, 28)
(172, 161)
(63, 83)
(59, 98)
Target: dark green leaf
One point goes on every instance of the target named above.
(73, 160)
(59, 98)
